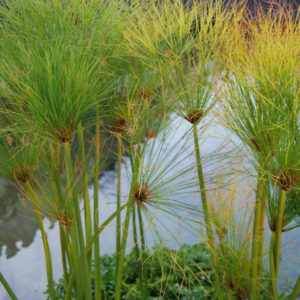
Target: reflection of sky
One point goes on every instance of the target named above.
(26, 273)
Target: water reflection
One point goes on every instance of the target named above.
(17, 223)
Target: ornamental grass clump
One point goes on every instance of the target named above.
(262, 108)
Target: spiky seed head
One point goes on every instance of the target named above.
(287, 179)
(22, 174)
(194, 115)
(168, 53)
(142, 195)
(144, 95)
(65, 220)
(64, 135)
(119, 125)
(150, 134)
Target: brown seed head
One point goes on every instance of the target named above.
(150, 134)
(64, 135)
(22, 174)
(287, 180)
(142, 195)
(168, 53)
(194, 115)
(65, 220)
(144, 95)
(119, 125)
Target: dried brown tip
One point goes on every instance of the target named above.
(119, 125)
(194, 115)
(142, 195)
(287, 180)
(150, 134)
(22, 174)
(65, 220)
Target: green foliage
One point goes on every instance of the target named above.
(173, 274)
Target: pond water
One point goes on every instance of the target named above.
(21, 250)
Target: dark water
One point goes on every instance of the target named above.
(21, 250)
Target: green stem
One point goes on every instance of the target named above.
(87, 207)
(137, 252)
(144, 267)
(208, 226)
(279, 231)
(45, 241)
(118, 233)
(55, 180)
(63, 248)
(296, 290)
(96, 211)
(261, 236)
(69, 287)
(7, 287)
(255, 243)
(76, 263)
(272, 266)
(80, 235)
(119, 272)
(126, 227)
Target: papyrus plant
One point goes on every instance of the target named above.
(179, 42)
(261, 106)
(58, 68)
